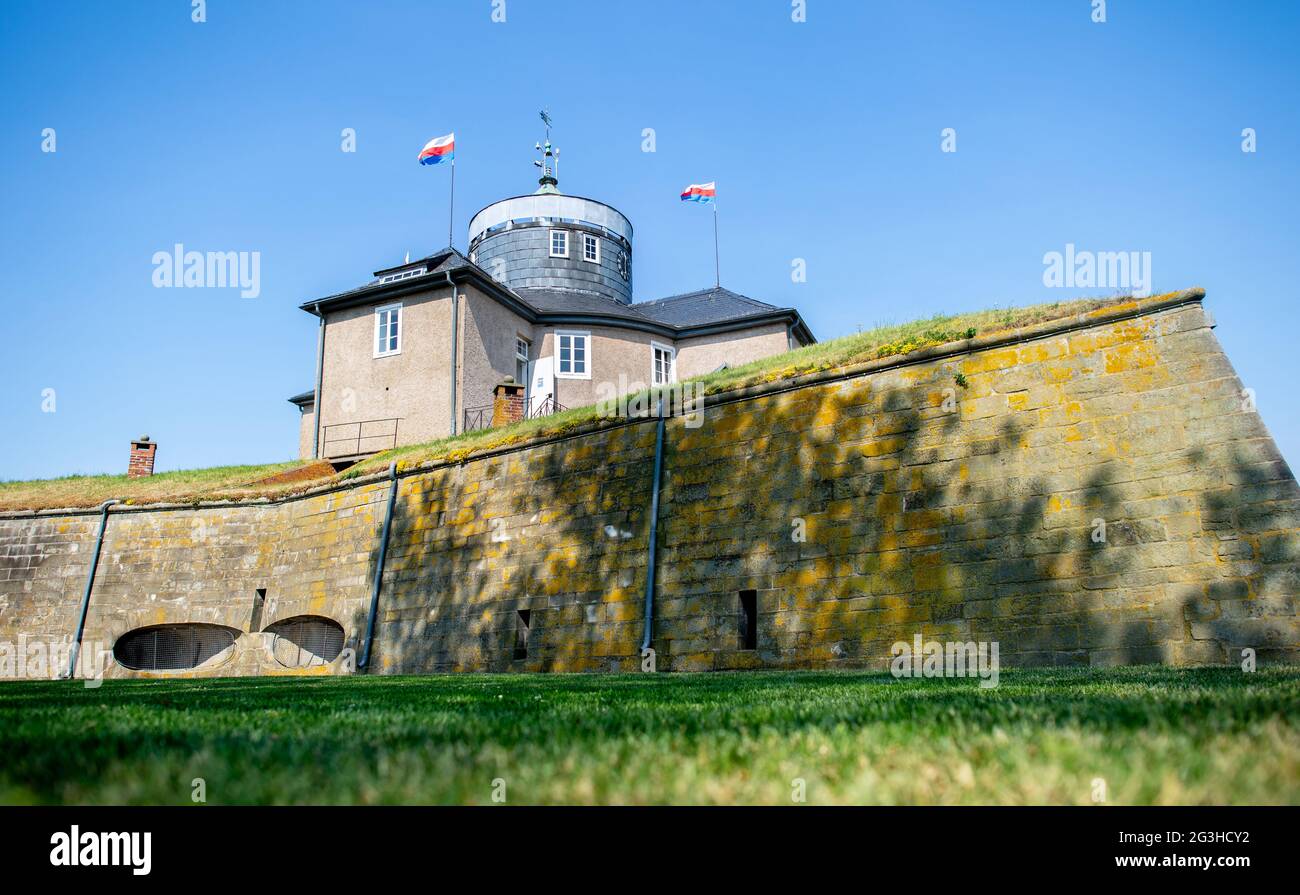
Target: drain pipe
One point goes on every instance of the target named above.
(320, 375)
(654, 530)
(455, 332)
(379, 566)
(90, 583)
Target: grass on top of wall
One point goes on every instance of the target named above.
(91, 490)
(1043, 736)
(889, 340)
(243, 482)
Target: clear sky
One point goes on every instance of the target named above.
(824, 137)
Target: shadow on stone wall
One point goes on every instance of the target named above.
(473, 545)
(1254, 514)
(901, 540)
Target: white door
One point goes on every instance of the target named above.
(542, 387)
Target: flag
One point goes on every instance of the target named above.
(700, 192)
(439, 149)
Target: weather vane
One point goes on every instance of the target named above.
(550, 172)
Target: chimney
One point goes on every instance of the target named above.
(142, 451)
(507, 402)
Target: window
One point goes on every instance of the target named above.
(523, 620)
(574, 360)
(521, 360)
(403, 274)
(559, 243)
(749, 619)
(590, 248)
(388, 330)
(663, 368)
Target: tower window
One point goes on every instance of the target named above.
(748, 619)
(523, 620)
(590, 248)
(559, 243)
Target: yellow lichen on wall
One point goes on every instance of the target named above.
(1064, 500)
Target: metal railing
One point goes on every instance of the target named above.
(477, 418)
(365, 437)
(481, 417)
(545, 407)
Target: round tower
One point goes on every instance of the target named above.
(552, 241)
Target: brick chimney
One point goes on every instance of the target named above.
(142, 452)
(507, 402)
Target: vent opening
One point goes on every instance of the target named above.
(523, 619)
(172, 647)
(305, 641)
(749, 619)
(259, 603)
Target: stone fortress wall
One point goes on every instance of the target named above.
(958, 493)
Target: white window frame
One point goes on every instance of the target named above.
(595, 241)
(550, 245)
(404, 274)
(379, 317)
(586, 351)
(526, 356)
(672, 362)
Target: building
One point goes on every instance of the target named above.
(1099, 495)
(544, 299)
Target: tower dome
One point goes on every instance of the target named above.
(551, 241)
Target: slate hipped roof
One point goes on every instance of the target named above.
(677, 316)
(703, 312)
(703, 306)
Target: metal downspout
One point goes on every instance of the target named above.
(320, 374)
(654, 531)
(364, 661)
(90, 583)
(455, 332)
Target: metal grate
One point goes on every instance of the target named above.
(172, 647)
(306, 640)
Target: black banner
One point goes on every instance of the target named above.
(331, 846)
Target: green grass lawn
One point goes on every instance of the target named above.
(1155, 735)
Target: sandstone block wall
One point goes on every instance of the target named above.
(1092, 492)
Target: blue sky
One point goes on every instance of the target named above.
(823, 136)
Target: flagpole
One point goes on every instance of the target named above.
(717, 267)
(451, 205)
